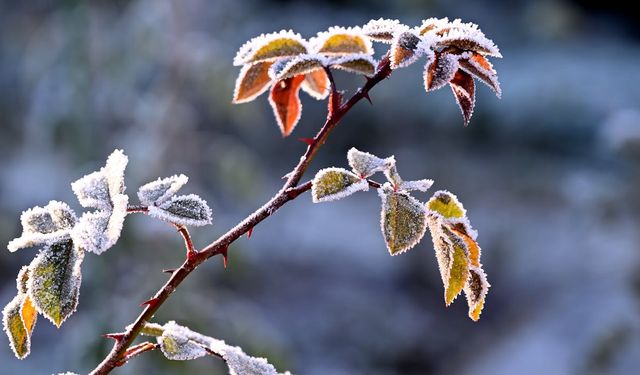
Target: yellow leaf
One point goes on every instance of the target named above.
(341, 41)
(270, 47)
(252, 81)
(29, 315)
(14, 326)
(472, 245)
(335, 183)
(458, 270)
(476, 289)
(403, 220)
(446, 205)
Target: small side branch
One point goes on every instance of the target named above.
(135, 351)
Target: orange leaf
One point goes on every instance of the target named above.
(480, 67)
(472, 245)
(440, 71)
(316, 84)
(464, 91)
(252, 81)
(286, 103)
(28, 314)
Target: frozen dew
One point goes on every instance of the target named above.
(331, 184)
(270, 47)
(478, 66)
(432, 25)
(44, 225)
(98, 231)
(160, 190)
(464, 89)
(185, 210)
(316, 84)
(402, 220)
(365, 164)
(54, 284)
(383, 30)
(92, 191)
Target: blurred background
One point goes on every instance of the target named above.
(550, 175)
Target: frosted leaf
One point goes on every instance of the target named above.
(342, 41)
(331, 184)
(302, 64)
(22, 280)
(445, 204)
(440, 70)
(481, 68)
(402, 220)
(452, 256)
(467, 37)
(240, 363)
(464, 89)
(405, 50)
(44, 225)
(18, 320)
(114, 171)
(359, 63)
(420, 185)
(92, 190)
(393, 177)
(177, 347)
(183, 210)
(476, 289)
(316, 84)
(432, 24)
(158, 191)
(54, 285)
(383, 30)
(365, 164)
(270, 47)
(462, 228)
(286, 104)
(252, 81)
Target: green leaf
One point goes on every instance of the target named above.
(54, 283)
(403, 220)
(178, 347)
(336, 183)
(452, 256)
(446, 204)
(18, 319)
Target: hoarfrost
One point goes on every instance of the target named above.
(22, 280)
(393, 177)
(432, 24)
(358, 63)
(467, 37)
(184, 209)
(342, 41)
(92, 191)
(18, 326)
(365, 164)
(402, 220)
(316, 84)
(331, 184)
(54, 284)
(291, 67)
(464, 89)
(445, 204)
(440, 70)
(158, 191)
(405, 49)
(420, 185)
(269, 47)
(44, 225)
(476, 290)
(482, 69)
(383, 30)
(177, 347)
(114, 172)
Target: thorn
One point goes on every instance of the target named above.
(169, 270)
(114, 336)
(308, 141)
(249, 232)
(366, 96)
(225, 252)
(149, 302)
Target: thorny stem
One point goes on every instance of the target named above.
(289, 191)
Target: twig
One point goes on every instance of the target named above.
(135, 351)
(290, 190)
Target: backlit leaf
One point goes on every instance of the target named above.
(463, 89)
(383, 30)
(403, 220)
(158, 191)
(316, 84)
(252, 81)
(270, 47)
(286, 104)
(336, 183)
(480, 67)
(356, 63)
(451, 253)
(476, 290)
(184, 209)
(342, 41)
(405, 49)
(446, 204)
(365, 164)
(467, 37)
(54, 283)
(440, 70)
(472, 246)
(44, 225)
(18, 319)
(302, 64)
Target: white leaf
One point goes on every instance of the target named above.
(92, 191)
(365, 164)
(114, 171)
(185, 209)
(98, 231)
(177, 347)
(44, 225)
(420, 185)
(331, 184)
(158, 191)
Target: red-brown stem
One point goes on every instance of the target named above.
(289, 191)
(136, 350)
(188, 243)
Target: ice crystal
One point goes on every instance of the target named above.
(383, 30)
(18, 320)
(405, 49)
(402, 220)
(342, 41)
(157, 192)
(184, 209)
(252, 81)
(365, 164)
(331, 184)
(269, 47)
(54, 283)
(291, 67)
(358, 63)
(420, 185)
(432, 25)
(44, 225)
(92, 190)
